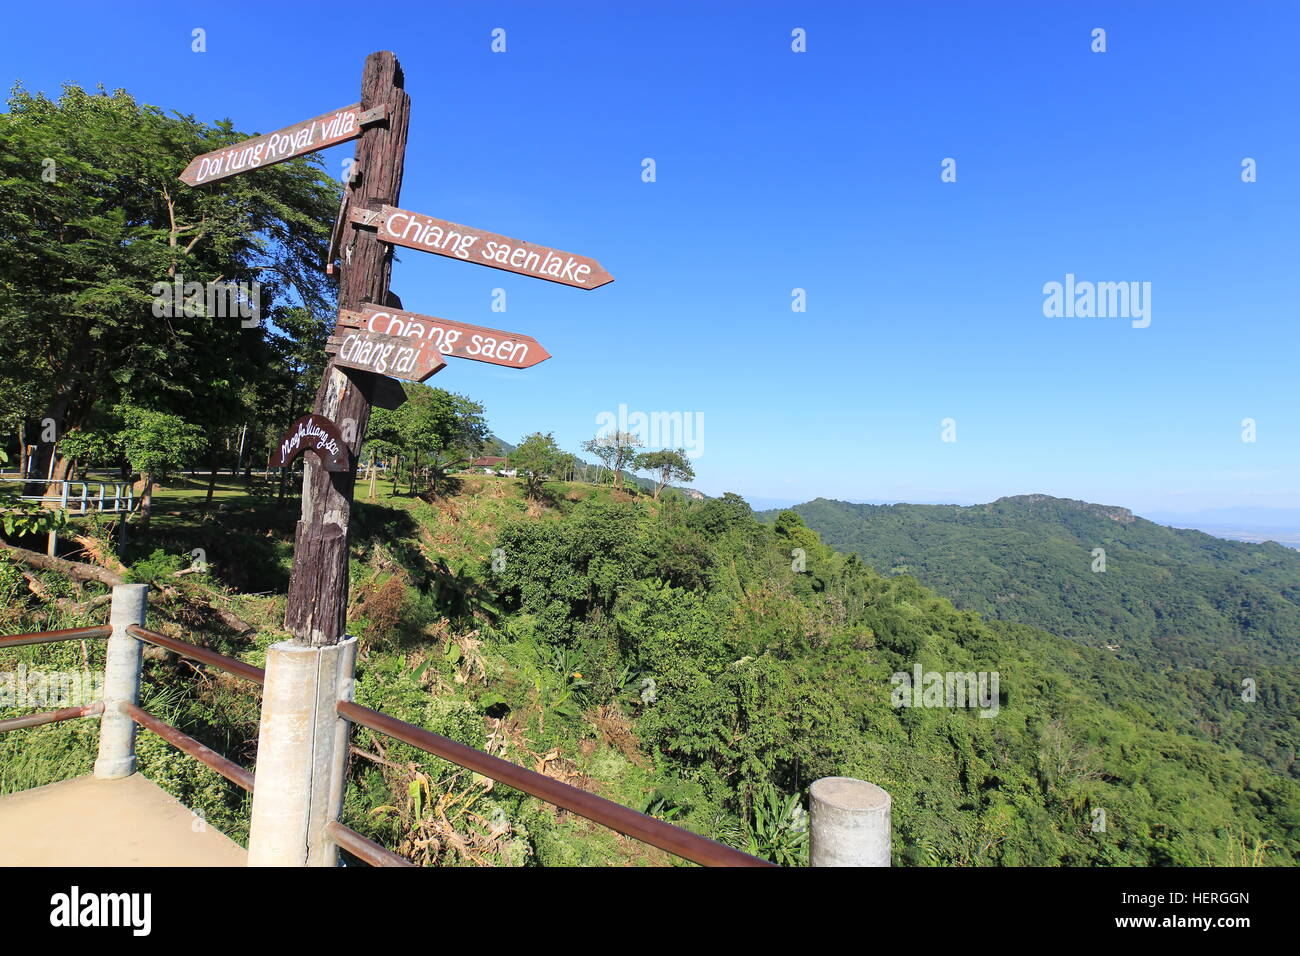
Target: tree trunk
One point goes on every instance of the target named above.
(212, 480)
(146, 501)
(316, 609)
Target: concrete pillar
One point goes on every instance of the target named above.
(849, 823)
(302, 750)
(121, 682)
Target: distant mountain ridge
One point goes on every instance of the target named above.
(1113, 512)
(1030, 558)
(1196, 614)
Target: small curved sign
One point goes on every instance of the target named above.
(314, 433)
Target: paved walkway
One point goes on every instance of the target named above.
(89, 822)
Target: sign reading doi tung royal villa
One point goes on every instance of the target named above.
(337, 126)
(416, 231)
(511, 349)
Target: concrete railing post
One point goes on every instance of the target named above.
(849, 823)
(121, 682)
(302, 752)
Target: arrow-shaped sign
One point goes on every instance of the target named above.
(449, 338)
(396, 355)
(416, 231)
(336, 126)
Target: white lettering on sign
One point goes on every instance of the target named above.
(305, 137)
(453, 338)
(309, 431)
(416, 231)
(403, 225)
(386, 358)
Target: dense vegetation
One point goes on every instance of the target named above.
(673, 656)
(1189, 615)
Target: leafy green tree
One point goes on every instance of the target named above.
(536, 459)
(435, 430)
(616, 451)
(95, 227)
(156, 443)
(666, 465)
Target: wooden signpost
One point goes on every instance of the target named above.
(337, 126)
(373, 342)
(416, 231)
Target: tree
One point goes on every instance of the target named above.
(536, 459)
(94, 226)
(616, 450)
(434, 428)
(156, 443)
(666, 465)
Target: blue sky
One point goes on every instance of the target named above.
(820, 170)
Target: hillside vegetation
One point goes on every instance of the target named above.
(679, 657)
(1191, 616)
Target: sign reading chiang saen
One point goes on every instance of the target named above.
(459, 339)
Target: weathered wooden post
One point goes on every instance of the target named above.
(318, 586)
(849, 823)
(121, 682)
(302, 740)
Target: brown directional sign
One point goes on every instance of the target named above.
(396, 355)
(314, 433)
(337, 126)
(416, 231)
(450, 338)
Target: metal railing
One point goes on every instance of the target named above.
(76, 497)
(639, 826)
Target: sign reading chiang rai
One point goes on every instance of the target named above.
(336, 126)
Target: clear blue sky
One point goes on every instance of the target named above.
(821, 170)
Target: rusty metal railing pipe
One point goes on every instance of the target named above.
(230, 665)
(639, 826)
(51, 717)
(363, 848)
(47, 637)
(183, 742)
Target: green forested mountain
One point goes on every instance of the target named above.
(1190, 615)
